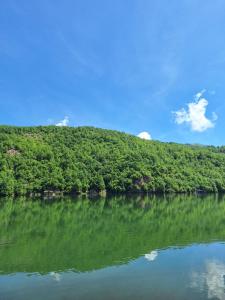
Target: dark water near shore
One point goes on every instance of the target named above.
(118, 248)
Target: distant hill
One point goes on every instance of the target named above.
(84, 159)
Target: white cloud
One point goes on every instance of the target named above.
(144, 135)
(64, 122)
(151, 256)
(195, 116)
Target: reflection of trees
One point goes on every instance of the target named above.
(85, 235)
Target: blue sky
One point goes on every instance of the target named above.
(134, 66)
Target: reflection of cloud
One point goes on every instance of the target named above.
(151, 256)
(213, 279)
(56, 276)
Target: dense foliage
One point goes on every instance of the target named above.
(38, 159)
(85, 235)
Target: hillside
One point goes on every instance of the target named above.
(82, 159)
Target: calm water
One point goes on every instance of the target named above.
(118, 248)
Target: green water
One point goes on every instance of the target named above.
(118, 248)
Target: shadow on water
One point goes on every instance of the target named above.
(83, 235)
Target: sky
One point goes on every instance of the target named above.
(150, 68)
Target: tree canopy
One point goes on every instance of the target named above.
(82, 159)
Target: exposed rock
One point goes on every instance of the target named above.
(13, 152)
(33, 136)
(142, 181)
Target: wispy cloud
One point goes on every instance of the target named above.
(199, 95)
(144, 135)
(85, 61)
(64, 122)
(195, 114)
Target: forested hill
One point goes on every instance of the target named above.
(82, 159)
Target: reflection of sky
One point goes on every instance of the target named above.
(194, 272)
(213, 279)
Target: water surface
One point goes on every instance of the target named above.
(118, 248)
